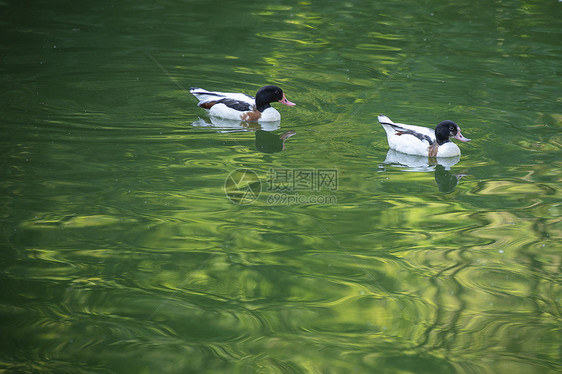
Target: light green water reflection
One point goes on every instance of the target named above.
(122, 253)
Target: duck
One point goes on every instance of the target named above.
(242, 107)
(423, 141)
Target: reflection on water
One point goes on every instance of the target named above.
(418, 163)
(446, 181)
(121, 252)
(266, 140)
(227, 124)
(269, 142)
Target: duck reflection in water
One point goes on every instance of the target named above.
(266, 140)
(269, 142)
(228, 125)
(446, 181)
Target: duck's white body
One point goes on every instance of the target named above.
(222, 111)
(239, 106)
(417, 140)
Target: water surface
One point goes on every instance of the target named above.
(122, 253)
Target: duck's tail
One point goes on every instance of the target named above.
(384, 120)
(204, 95)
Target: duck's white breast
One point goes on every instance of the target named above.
(448, 149)
(270, 115)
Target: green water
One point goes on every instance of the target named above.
(121, 252)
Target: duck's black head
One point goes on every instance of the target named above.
(446, 129)
(270, 94)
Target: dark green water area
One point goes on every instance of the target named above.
(139, 235)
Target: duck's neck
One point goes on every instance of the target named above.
(441, 141)
(261, 106)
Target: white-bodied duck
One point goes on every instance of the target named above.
(423, 141)
(242, 107)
